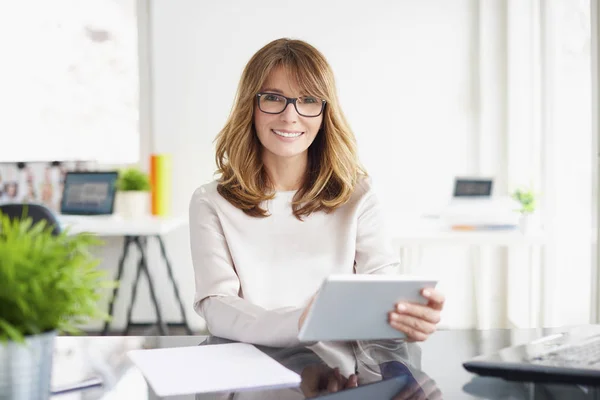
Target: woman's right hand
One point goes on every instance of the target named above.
(318, 379)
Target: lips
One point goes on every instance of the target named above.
(287, 134)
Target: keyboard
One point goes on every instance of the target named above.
(585, 354)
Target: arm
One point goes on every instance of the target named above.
(374, 251)
(375, 255)
(217, 287)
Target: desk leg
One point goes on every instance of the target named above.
(126, 243)
(406, 259)
(170, 270)
(133, 295)
(481, 288)
(411, 258)
(143, 262)
(536, 290)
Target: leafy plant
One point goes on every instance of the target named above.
(47, 282)
(527, 200)
(132, 179)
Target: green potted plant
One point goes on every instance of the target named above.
(49, 284)
(527, 201)
(133, 193)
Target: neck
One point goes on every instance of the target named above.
(286, 173)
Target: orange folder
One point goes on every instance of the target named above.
(160, 180)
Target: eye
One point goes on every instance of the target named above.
(272, 97)
(309, 100)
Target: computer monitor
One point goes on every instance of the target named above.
(473, 187)
(89, 193)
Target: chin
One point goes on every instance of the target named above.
(288, 153)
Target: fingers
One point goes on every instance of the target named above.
(419, 311)
(418, 321)
(352, 381)
(435, 297)
(416, 329)
(338, 382)
(313, 379)
(319, 379)
(412, 335)
(333, 385)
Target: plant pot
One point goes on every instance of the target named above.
(527, 223)
(132, 204)
(26, 368)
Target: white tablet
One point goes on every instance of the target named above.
(356, 307)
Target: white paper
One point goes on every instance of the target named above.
(211, 368)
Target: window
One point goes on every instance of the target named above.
(69, 80)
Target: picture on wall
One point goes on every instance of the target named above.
(40, 183)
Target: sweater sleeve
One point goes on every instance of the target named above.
(374, 251)
(218, 298)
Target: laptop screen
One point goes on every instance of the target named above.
(89, 193)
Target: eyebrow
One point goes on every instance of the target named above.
(273, 90)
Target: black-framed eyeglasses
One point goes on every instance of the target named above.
(307, 106)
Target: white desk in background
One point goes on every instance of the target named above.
(412, 236)
(136, 232)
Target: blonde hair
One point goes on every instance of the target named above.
(333, 168)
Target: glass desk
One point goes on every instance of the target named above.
(433, 368)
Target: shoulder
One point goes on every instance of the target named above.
(363, 191)
(364, 186)
(207, 200)
(206, 191)
(362, 196)
(205, 197)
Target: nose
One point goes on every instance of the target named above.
(289, 114)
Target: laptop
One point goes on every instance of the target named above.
(89, 193)
(571, 357)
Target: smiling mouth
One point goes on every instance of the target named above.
(287, 134)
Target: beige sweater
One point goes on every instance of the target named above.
(254, 276)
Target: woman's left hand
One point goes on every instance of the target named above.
(318, 379)
(418, 321)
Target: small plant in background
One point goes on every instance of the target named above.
(527, 200)
(133, 179)
(47, 282)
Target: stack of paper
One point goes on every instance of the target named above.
(211, 368)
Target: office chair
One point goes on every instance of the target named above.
(36, 212)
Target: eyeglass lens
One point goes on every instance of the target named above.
(306, 105)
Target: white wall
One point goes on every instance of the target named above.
(403, 70)
(394, 71)
(397, 64)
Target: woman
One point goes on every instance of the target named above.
(292, 206)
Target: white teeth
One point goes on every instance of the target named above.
(288, 134)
